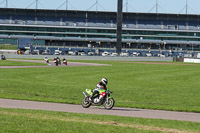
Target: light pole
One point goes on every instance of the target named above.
(119, 26)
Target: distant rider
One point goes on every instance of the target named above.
(3, 57)
(46, 59)
(59, 61)
(100, 85)
(64, 61)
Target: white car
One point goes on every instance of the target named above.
(90, 53)
(71, 53)
(161, 55)
(124, 54)
(148, 54)
(105, 53)
(57, 52)
(114, 54)
(82, 54)
(136, 54)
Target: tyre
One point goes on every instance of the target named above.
(109, 104)
(86, 103)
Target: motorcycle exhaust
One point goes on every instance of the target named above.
(84, 94)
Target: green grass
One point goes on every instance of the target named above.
(31, 121)
(18, 63)
(8, 47)
(151, 86)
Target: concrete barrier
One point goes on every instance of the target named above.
(191, 60)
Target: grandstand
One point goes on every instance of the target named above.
(96, 29)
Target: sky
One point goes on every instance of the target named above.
(164, 6)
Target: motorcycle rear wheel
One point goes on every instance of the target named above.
(109, 104)
(86, 103)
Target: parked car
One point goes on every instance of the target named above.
(114, 54)
(82, 54)
(124, 54)
(148, 54)
(35, 52)
(90, 53)
(136, 54)
(105, 53)
(46, 52)
(187, 55)
(161, 55)
(57, 52)
(71, 53)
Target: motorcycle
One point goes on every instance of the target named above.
(65, 62)
(59, 61)
(56, 62)
(101, 99)
(3, 57)
(46, 60)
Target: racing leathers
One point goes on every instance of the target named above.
(99, 86)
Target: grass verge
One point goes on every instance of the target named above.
(19, 63)
(151, 86)
(17, 120)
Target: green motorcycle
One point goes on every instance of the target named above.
(103, 98)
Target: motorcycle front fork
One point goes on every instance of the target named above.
(107, 98)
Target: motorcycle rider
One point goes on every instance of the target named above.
(100, 85)
(55, 58)
(3, 57)
(46, 59)
(58, 59)
(64, 61)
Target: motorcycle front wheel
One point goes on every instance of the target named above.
(109, 104)
(86, 103)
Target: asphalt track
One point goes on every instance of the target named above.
(51, 64)
(130, 112)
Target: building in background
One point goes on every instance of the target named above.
(93, 29)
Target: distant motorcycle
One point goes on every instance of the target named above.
(103, 98)
(3, 57)
(46, 60)
(59, 61)
(55, 62)
(64, 61)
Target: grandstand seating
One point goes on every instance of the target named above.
(91, 22)
(141, 28)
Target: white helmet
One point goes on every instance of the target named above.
(104, 81)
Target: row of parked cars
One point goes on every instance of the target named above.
(134, 54)
(163, 54)
(91, 53)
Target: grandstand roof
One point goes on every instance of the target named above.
(107, 12)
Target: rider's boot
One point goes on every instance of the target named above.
(90, 98)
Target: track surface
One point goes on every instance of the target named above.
(51, 64)
(130, 112)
